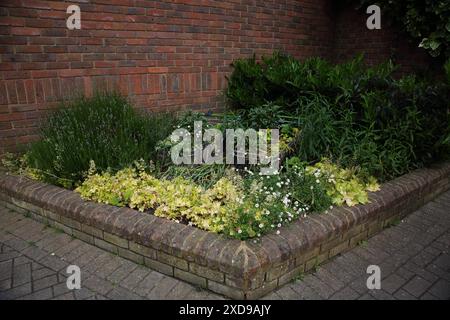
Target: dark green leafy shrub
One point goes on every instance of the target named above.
(104, 128)
(355, 115)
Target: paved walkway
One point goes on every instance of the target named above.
(413, 256)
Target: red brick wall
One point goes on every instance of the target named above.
(166, 55)
(352, 37)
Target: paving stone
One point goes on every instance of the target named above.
(182, 290)
(16, 292)
(417, 286)
(392, 283)
(404, 295)
(21, 274)
(43, 294)
(162, 289)
(319, 286)
(122, 272)
(428, 296)
(329, 279)
(98, 262)
(366, 296)
(83, 293)
(287, 293)
(304, 291)
(148, 283)
(346, 293)
(443, 262)
(381, 295)
(53, 262)
(60, 289)
(66, 296)
(6, 269)
(5, 284)
(119, 293)
(98, 285)
(134, 278)
(9, 255)
(41, 273)
(108, 268)
(45, 282)
(441, 289)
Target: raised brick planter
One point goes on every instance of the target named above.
(236, 269)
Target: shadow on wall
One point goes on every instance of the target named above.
(353, 37)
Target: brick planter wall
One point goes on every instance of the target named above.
(236, 269)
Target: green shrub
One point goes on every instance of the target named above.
(240, 206)
(105, 129)
(355, 115)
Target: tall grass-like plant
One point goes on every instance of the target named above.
(104, 128)
(355, 115)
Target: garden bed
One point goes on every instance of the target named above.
(236, 269)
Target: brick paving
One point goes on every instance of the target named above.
(413, 256)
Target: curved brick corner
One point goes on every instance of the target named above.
(237, 269)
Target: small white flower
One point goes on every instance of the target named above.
(278, 232)
(239, 231)
(317, 181)
(312, 187)
(279, 225)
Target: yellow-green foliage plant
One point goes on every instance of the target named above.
(343, 185)
(240, 206)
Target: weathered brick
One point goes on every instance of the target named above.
(71, 223)
(62, 227)
(115, 240)
(142, 250)
(105, 245)
(261, 291)
(338, 249)
(206, 272)
(92, 231)
(189, 277)
(277, 270)
(285, 278)
(158, 266)
(173, 261)
(83, 236)
(127, 254)
(226, 290)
